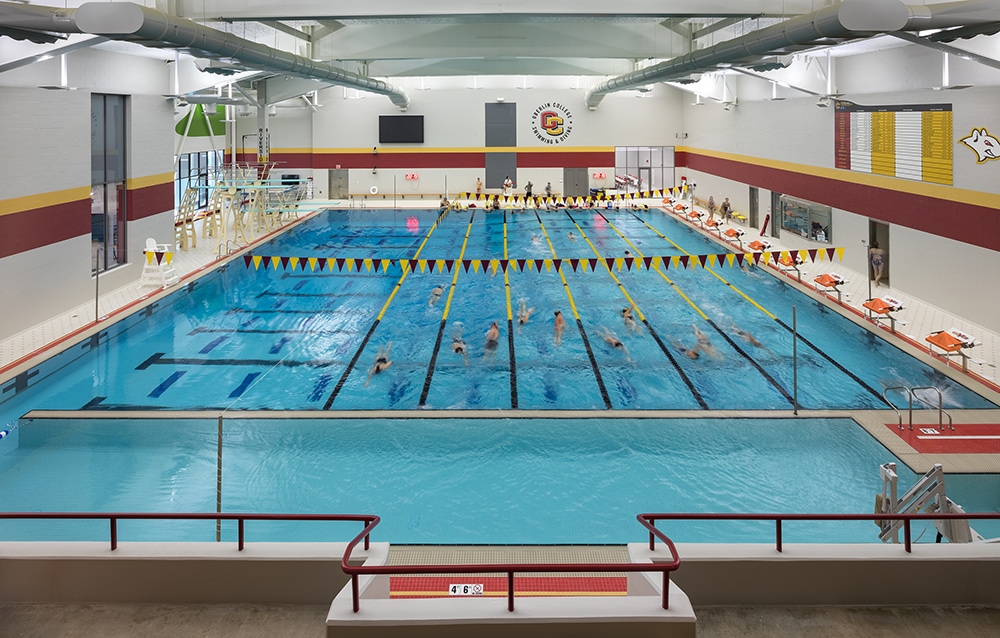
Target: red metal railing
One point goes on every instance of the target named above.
(779, 518)
(510, 568)
(114, 517)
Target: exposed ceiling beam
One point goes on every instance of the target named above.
(326, 28)
(715, 26)
(947, 48)
(781, 83)
(53, 52)
(677, 26)
(277, 25)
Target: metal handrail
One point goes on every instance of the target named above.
(511, 568)
(940, 405)
(778, 518)
(899, 414)
(114, 517)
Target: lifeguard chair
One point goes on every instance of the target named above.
(158, 269)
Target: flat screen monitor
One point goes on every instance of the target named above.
(401, 129)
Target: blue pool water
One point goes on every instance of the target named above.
(281, 339)
(459, 480)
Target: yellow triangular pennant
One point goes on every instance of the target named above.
(840, 254)
(385, 263)
(275, 262)
(256, 262)
(312, 263)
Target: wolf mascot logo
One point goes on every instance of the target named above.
(985, 145)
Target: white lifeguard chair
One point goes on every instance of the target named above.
(158, 269)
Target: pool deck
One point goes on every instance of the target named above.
(27, 348)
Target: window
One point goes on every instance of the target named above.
(806, 219)
(644, 168)
(107, 179)
(196, 170)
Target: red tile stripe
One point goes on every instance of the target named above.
(966, 438)
(496, 586)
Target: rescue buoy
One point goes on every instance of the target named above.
(373, 190)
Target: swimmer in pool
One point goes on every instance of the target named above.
(382, 362)
(704, 344)
(536, 239)
(690, 353)
(629, 319)
(492, 340)
(571, 236)
(749, 338)
(435, 295)
(523, 313)
(560, 326)
(458, 344)
(612, 340)
(628, 253)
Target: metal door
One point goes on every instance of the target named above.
(575, 183)
(754, 207)
(338, 184)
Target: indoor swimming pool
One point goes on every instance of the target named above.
(306, 338)
(491, 481)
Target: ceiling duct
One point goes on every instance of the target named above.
(847, 20)
(135, 23)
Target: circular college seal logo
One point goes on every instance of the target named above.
(551, 123)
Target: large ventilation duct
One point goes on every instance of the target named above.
(850, 19)
(135, 23)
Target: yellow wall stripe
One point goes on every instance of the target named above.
(43, 200)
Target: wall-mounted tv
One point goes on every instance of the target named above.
(401, 129)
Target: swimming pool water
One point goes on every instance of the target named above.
(300, 340)
(459, 480)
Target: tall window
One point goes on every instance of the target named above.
(804, 218)
(643, 168)
(196, 170)
(107, 170)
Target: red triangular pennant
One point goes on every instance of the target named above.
(558, 264)
(628, 263)
(246, 260)
(610, 261)
(830, 252)
(739, 259)
(321, 261)
(646, 261)
(755, 257)
(503, 265)
(812, 254)
(703, 259)
(538, 264)
(574, 263)
(684, 260)
(159, 258)
(448, 263)
(466, 263)
(484, 264)
(593, 263)
(340, 264)
(284, 263)
(520, 265)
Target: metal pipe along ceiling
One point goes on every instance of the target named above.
(132, 22)
(848, 20)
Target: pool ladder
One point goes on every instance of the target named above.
(911, 394)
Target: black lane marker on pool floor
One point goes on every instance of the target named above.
(670, 356)
(579, 324)
(158, 359)
(753, 362)
(835, 363)
(725, 336)
(350, 366)
(444, 321)
(510, 322)
(160, 389)
(378, 318)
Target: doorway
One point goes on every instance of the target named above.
(576, 182)
(879, 232)
(753, 213)
(338, 184)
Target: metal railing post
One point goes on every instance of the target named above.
(354, 592)
(510, 591)
(114, 533)
(240, 534)
(777, 533)
(906, 535)
(666, 590)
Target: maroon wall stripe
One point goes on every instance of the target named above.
(968, 223)
(567, 159)
(30, 229)
(149, 200)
